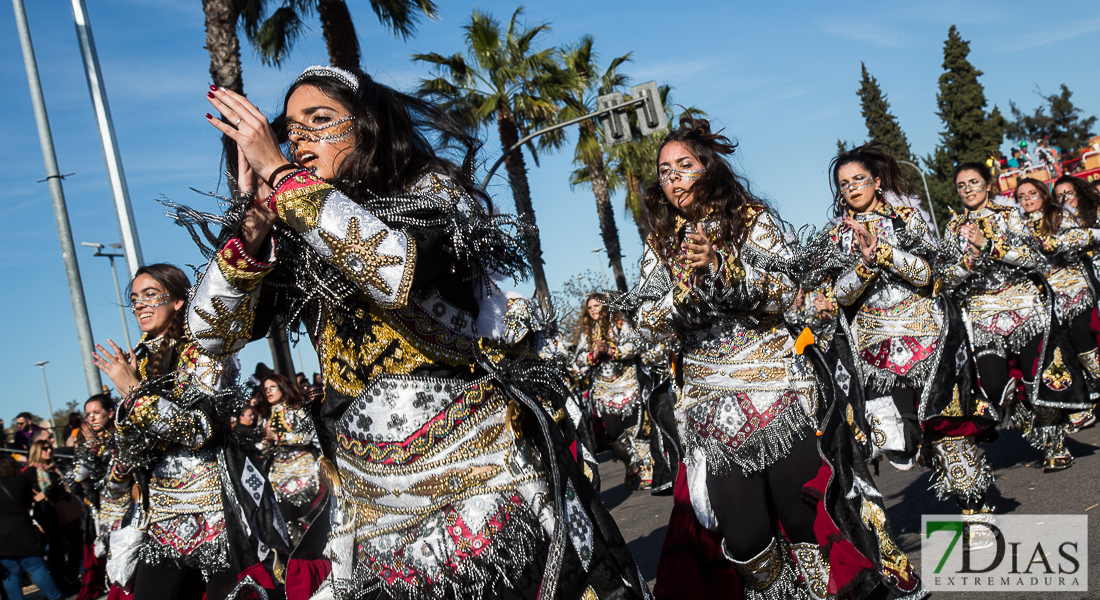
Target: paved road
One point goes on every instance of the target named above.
(1021, 488)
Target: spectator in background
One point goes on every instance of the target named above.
(72, 430)
(1048, 157)
(1014, 162)
(26, 429)
(21, 546)
(317, 382)
(59, 517)
(3, 439)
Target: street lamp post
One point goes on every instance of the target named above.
(114, 273)
(931, 211)
(603, 278)
(49, 404)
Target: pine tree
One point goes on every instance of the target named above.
(970, 133)
(1060, 123)
(882, 125)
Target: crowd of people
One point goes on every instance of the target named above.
(447, 449)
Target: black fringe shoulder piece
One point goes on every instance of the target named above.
(302, 281)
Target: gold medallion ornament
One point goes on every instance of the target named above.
(361, 256)
(226, 325)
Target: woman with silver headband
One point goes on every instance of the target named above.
(1065, 243)
(717, 274)
(448, 478)
(993, 266)
(913, 354)
(205, 516)
(607, 351)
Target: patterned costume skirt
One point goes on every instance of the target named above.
(1005, 319)
(186, 523)
(438, 496)
(899, 342)
(1071, 290)
(295, 475)
(745, 398)
(109, 518)
(617, 394)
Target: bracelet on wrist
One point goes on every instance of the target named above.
(271, 181)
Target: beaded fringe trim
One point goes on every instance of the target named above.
(761, 449)
(521, 543)
(210, 557)
(944, 490)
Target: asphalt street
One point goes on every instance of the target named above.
(1021, 488)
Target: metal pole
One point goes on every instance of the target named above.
(60, 213)
(49, 404)
(121, 311)
(126, 227)
(931, 211)
(603, 277)
(536, 134)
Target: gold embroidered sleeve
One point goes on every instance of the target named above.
(377, 258)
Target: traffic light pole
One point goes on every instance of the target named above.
(555, 127)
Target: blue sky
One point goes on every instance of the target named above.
(780, 77)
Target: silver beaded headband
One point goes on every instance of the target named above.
(335, 72)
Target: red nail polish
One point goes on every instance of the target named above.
(209, 116)
(213, 88)
(209, 94)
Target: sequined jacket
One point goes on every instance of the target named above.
(897, 324)
(185, 521)
(1004, 307)
(746, 394)
(615, 379)
(1066, 251)
(435, 493)
(109, 498)
(294, 463)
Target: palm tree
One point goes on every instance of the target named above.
(274, 36)
(588, 83)
(632, 166)
(508, 82)
(222, 43)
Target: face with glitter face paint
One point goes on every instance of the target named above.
(973, 189)
(858, 187)
(677, 171)
(1029, 198)
(153, 307)
(320, 131)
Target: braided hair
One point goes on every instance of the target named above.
(176, 284)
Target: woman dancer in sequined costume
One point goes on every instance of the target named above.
(715, 274)
(913, 353)
(292, 442)
(207, 514)
(607, 349)
(991, 264)
(1065, 244)
(449, 481)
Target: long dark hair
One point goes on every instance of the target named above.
(876, 158)
(1052, 211)
(1088, 200)
(719, 193)
(176, 284)
(292, 396)
(394, 135)
(585, 324)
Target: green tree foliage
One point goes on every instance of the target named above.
(587, 83)
(970, 133)
(1057, 119)
(274, 35)
(882, 126)
(506, 81)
